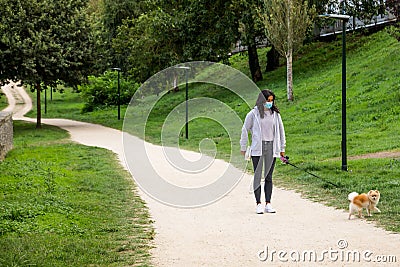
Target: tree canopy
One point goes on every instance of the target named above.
(173, 32)
(44, 43)
(286, 23)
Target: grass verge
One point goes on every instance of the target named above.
(3, 100)
(64, 204)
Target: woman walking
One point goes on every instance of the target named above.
(268, 142)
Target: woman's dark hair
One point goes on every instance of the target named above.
(262, 98)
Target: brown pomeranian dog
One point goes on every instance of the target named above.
(367, 201)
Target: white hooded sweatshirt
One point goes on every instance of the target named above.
(252, 123)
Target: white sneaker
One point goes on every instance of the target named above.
(269, 208)
(259, 209)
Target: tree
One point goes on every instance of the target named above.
(171, 32)
(210, 29)
(286, 22)
(394, 7)
(111, 15)
(149, 43)
(44, 43)
(364, 10)
(251, 31)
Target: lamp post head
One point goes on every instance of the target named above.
(335, 16)
(183, 67)
(117, 69)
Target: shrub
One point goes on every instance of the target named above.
(103, 91)
(394, 31)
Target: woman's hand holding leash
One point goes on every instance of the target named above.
(284, 159)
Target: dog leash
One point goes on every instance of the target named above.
(286, 161)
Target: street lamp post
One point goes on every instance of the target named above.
(45, 100)
(119, 93)
(187, 104)
(344, 19)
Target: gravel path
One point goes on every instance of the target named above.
(229, 233)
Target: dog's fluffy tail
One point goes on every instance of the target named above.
(352, 195)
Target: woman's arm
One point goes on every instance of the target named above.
(282, 136)
(247, 126)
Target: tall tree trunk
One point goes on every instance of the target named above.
(289, 56)
(272, 59)
(38, 107)
(254, 63)
(289, 75)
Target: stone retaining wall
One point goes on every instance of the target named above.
(6, 133)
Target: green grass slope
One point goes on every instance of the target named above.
(373, 96)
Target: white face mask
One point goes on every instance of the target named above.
(268, 105)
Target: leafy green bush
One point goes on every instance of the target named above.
(103, 91)
(394, 31)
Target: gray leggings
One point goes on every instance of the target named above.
(268, 161)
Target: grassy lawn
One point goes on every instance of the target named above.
(57, 207)
(312, 121)
(3, 100)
